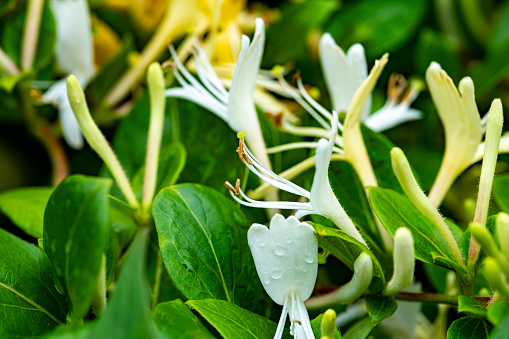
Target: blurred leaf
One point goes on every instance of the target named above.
(203, 241)
(76, 228)
(127, 313)
(175, 320)
(25, 207)
(470, 305)
(29, 303)
(379, 26)
(498, 312)
(360, 330)
(493, 69)
(232, 321)
(436, 46)
(469, 328)
(395, 210)
(11, 39)
(286, 39)
(380, 308)
(345, 248)
(500, 35)
(500, 189)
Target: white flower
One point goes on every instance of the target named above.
(397, 107)
(235, 107)
(322, 198)
(286, 259)
(344, 74)
(74, 54)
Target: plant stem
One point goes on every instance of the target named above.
(435, 298)
(7, 64)
(157, 280)
(31, 33)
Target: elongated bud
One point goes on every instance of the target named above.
(348, 293)
(329, 324)
(502, 223)
(495, 278)
(96, 139)
(407, 181)
(493, 134)
(404, 262)
(156, 86)
(484, 238)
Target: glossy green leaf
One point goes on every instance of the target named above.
(380, 308)
(76, 229)
(395, 210)
(203, 241)
(172, 159)
(377, 27)
(469, 328)
(127, 312)
(175, 320)
(345, 248)
(29, 303)
(232, 321)
(470, 305)
(25, 207)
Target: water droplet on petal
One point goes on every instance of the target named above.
(309, 258)
(262, 244)
(266, 281)
(276, 273)
(280, 250)
(289, 240)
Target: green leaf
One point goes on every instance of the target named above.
(498, 312)
(175, 320)
(469, 328)
(172, 159)
(501, 331)
(360, 330)
(500, 189)
(380, 308)
(76, 229)
(345, 248)
(203, 242)
(127, 313)
(283, 43)
(470, 305)
(232, 321)
(29, 303)
(25, 207)
(395, 210)
(316, 325)
(377, 26)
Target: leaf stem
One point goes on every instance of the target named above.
(435, 298)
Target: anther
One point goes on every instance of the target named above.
(296, 321)
(231, 188)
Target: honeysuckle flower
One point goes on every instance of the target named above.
(352, 290)
(236, 106)
(462, 125)
(74, 54)
(286, 260)
(322, 199)
(397, 108)
(344, 73)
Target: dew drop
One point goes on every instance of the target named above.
(262, 244)
(280, 250)
(289, 240)
(266, 281)
(276, 273)
(309, 258)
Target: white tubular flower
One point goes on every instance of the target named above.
(322, 198)
(74, 54)
(397, 107)
(286, 259)
(404, 262)
(344, 73)
(351, 291)
(235, 107)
